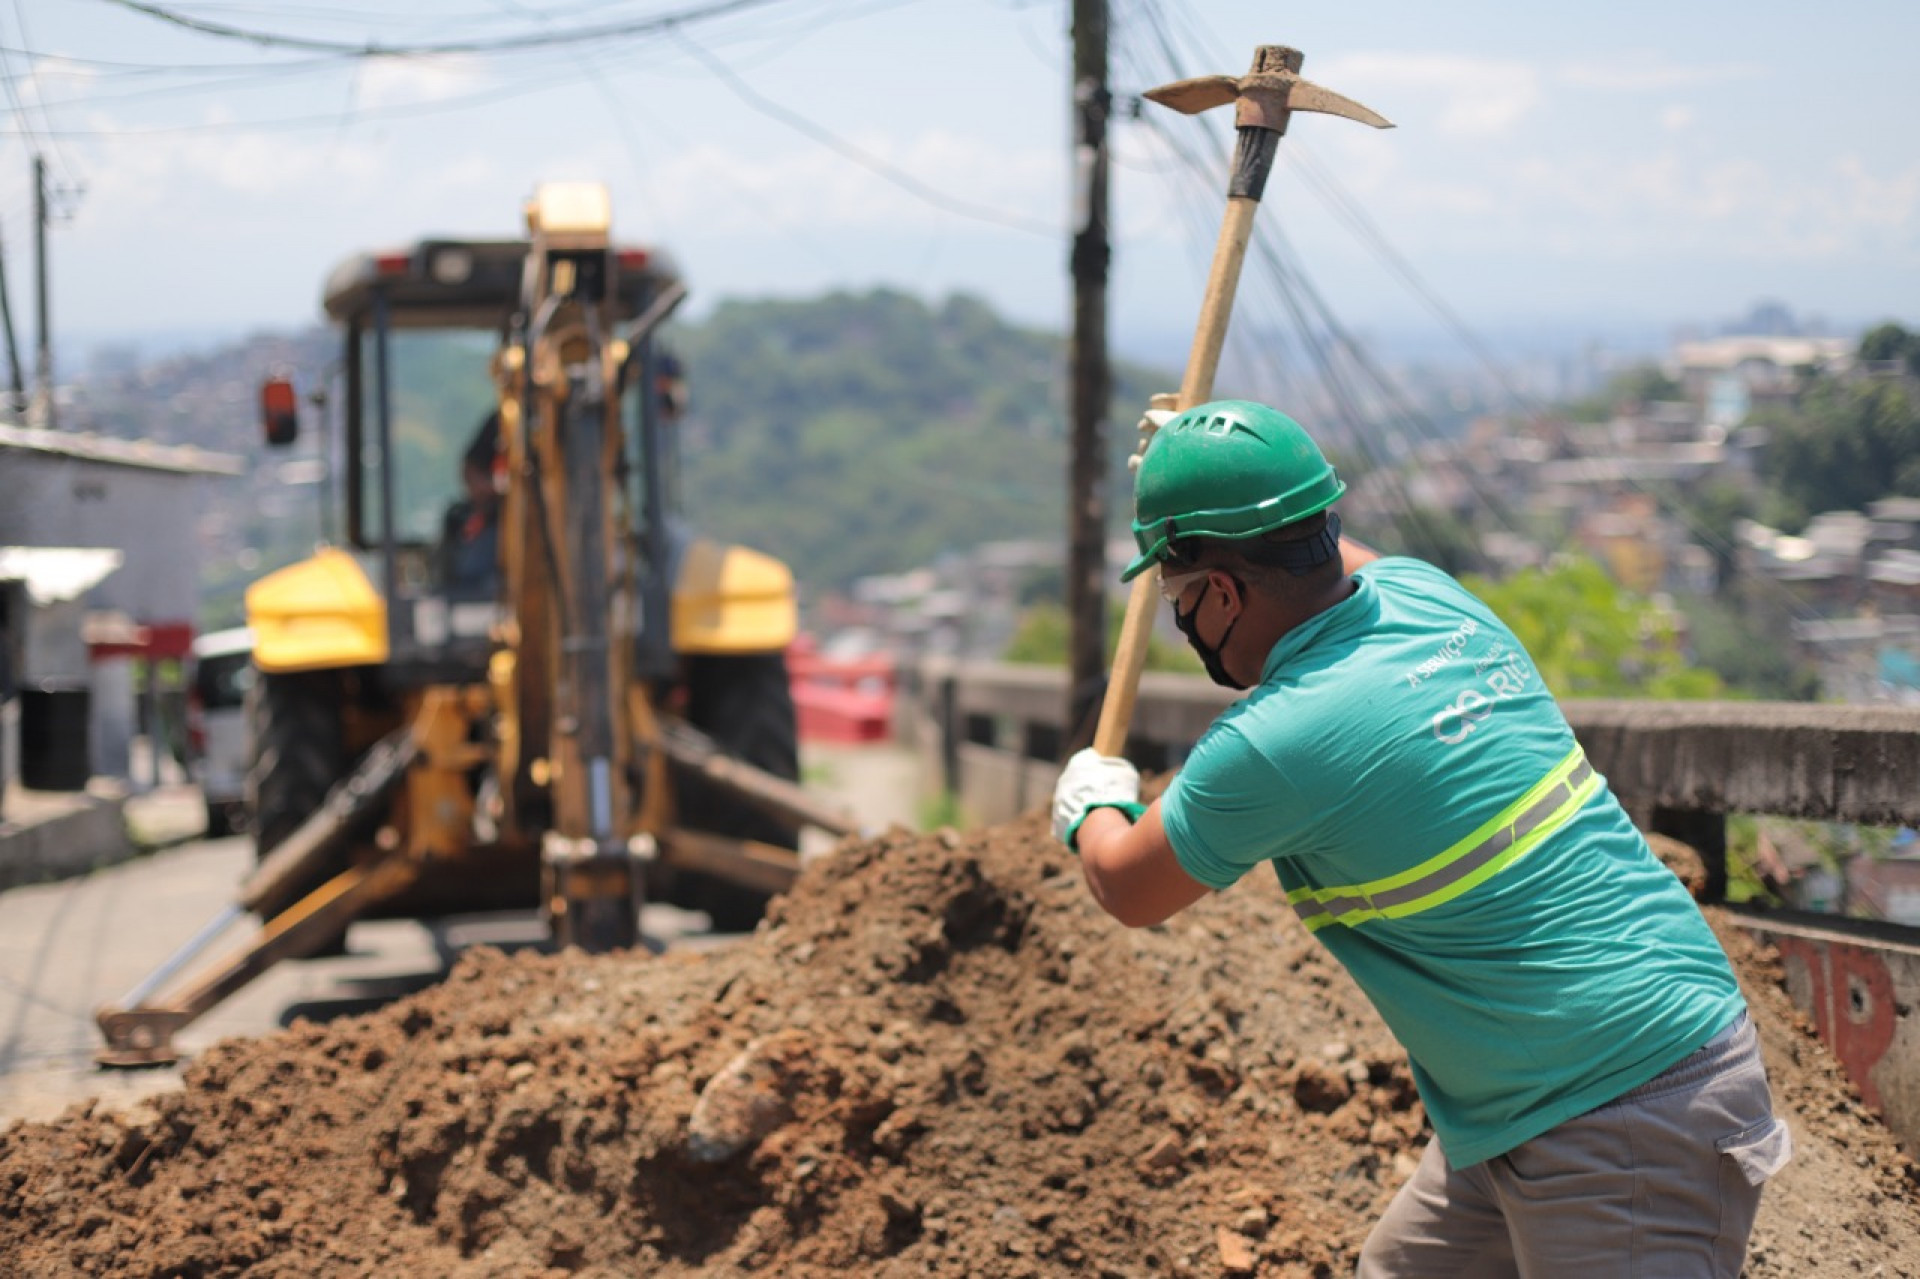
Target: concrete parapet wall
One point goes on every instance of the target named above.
(1790, 759)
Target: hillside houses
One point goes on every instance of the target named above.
(1850, 578)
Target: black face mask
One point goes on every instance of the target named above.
(1209, 655)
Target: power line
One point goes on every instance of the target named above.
(655, 24)
(169, 68)
(329, 119)
(1347, 211)
(241, 80)
(37, 135)
(630, 140)
(833, 142)
(1336, 354)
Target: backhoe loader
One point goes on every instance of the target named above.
(516, 678)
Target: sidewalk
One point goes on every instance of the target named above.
(46, 835)
(52, 835)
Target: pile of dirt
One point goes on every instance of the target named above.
(936, 1058)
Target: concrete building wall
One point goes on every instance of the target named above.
(47, 499)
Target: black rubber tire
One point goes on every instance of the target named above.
(298, 754)
(745, 704)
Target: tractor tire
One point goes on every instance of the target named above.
(298, 754)
(745, 704)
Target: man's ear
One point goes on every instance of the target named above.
(1231, 589)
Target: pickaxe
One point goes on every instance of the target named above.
(1265, 98)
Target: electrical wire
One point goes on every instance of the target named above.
(109, 67)
(36, 136)
(1348, 210)
(653, 24)
(1362, 397)
(58, 156)
(840, 146)
(617, 113)
(329, 119)
(1155, 27)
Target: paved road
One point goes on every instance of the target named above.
(67, 948)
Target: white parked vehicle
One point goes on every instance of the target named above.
(223, 671)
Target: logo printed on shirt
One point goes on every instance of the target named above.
(1455, 645)
(1508, 676)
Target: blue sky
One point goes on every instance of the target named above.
(1553, 166)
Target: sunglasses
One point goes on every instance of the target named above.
(1174, 585)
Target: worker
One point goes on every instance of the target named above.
(1576, 1032)
(469, 532)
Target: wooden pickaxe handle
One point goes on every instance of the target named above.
(1196, 387)
(1267, 96)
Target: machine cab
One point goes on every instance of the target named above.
(431, 334)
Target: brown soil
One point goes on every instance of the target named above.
(936, 1058)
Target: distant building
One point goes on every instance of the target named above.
(71, 502)
(1729, 376)
(1887, 887)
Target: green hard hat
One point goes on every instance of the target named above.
(1227, 469)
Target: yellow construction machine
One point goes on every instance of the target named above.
(515, 678)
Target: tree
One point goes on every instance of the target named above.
(1844, 445)
(868, 433)
(1889, 343)
(1712, 508)
(1041, 640)
(1745, 636)
(1591, 638)
(1638, 385)
(1439, 537)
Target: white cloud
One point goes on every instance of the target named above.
(1677, 119)
(138, 173)
(1670, 203)
(54, 79)
(809, 186)
(1649, 73)
(1892, 201)
(1464, 97)
(399, 82)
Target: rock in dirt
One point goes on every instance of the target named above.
(749, 1098)
(935, 1058)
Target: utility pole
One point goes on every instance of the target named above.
(43, 360)
(1092, 379)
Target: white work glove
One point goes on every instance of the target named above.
(1160, 411)
(1089, 781)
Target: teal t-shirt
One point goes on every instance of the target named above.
(1430, 815)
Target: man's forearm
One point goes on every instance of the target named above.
(1130, 868)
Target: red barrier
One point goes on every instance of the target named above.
(841, 700)
(1853, 1005)
(1858, 983)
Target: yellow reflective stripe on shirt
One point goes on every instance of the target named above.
(1497, 844)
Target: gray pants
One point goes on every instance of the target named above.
(1662, 1181)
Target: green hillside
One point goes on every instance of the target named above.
(872, 432)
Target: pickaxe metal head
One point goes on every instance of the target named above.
(1266, 96)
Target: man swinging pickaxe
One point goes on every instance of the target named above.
(1265, 99)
